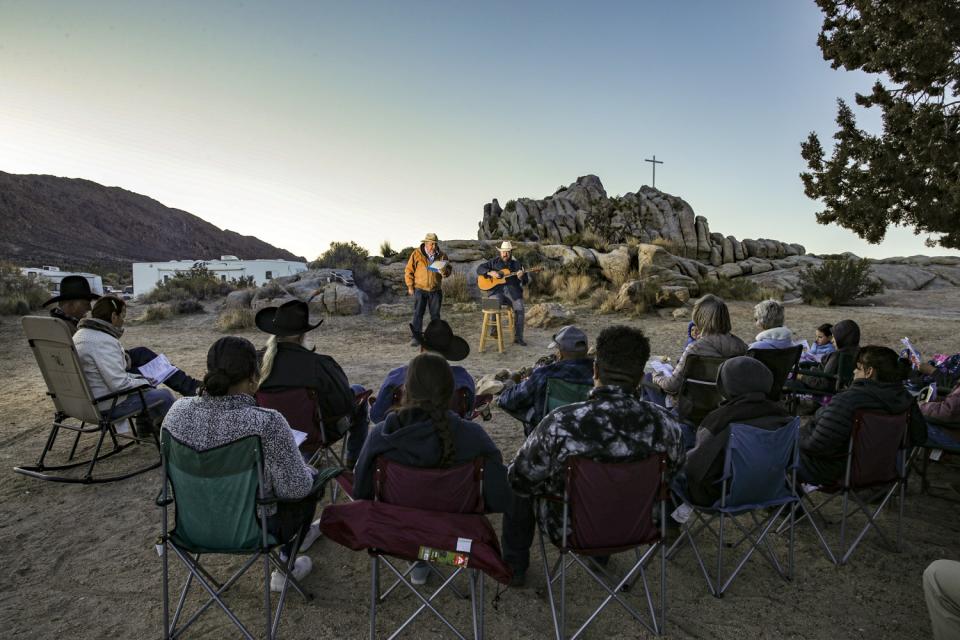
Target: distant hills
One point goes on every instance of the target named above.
(75, 223)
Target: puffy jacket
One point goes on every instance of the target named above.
(824, 441)
(717, 345)
(946, 410)
(104, 363)
(776, 338)
(417, 273)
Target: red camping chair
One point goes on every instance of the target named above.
(876, 462)
(609, 507)
(422, 514)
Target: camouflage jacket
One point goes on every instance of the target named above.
(613, 425)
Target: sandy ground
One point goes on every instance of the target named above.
(79, 561)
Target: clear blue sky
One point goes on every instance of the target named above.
(306, 122)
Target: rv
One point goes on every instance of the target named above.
(53, 275)
(147, 275)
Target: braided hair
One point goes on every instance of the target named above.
(230, 360)
(429, 386)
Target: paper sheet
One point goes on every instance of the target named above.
(298, 436)
(437, 265)
(912, 352)
(663, 368)
(157, 370)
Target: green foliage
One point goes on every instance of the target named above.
(197, 283)
(350, 255)
(736, 289)
(910, 174)
(20, 294)
(386, 250)
(838, 282)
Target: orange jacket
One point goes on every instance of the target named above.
(419, 276)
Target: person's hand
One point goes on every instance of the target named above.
(520, 273)
(493, 274)
(926, 368)
(409, 291)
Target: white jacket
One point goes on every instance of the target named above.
(104, 364)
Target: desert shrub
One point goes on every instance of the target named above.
(603, 301)
(575, 287)
(530, 256)
(235, 320)
(156, 312)
(197, 283)
(666, 244)
(20, 294)
(593, 240)
(541, 286)
(620, 278)
(576, 267)
(386, 250)
(456, 288)
(184, 307)
(734, 289)
(350, 255)
(838, 281)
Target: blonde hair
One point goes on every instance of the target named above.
(266, 365)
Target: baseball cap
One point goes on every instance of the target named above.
(569, 339)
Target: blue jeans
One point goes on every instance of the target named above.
(359, 426)
(511, 298)
(179, 381)
(132, 403)
(423, 300)
(937, 437)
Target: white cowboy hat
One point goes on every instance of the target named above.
(506, 246)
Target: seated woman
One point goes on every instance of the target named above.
(768, 315)
(846, 337)
(104, 364)
(225, 412)
(425, 433)
(743, 382)
(712, 318)
(943, 420)
(288, 364)
(877, 386)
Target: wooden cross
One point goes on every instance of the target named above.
(655, 162)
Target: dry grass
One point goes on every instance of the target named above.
(666, 244)
(235, 319)
(156, 313)
(575, 287)
(603, 301)
(456, 288)
(620, 278)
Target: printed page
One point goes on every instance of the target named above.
(157, 370)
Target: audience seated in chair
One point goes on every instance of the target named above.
(225, 412)
(527, 401)
(846, 338)
(615, 424)
(743, 383)
(773, 335)
(73, 303)
(941, 589)
(97, 341)
(877, 386)
(437, 338)
(822, 342)
(288, 364)
(425, 433)
(943, 419)
(712, 318)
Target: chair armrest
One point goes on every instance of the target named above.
(123, 392)
(316, 490)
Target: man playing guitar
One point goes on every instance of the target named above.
(509, 293)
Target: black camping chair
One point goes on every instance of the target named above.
(781, 362)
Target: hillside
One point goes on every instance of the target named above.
(78, 223)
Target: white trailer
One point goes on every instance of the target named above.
(147, 275)
(53, 275)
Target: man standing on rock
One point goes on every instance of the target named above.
(510, 292)
(424, 275)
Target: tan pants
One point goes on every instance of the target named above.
(941, 587)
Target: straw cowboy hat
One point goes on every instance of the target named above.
(506, 246)
(289, 319)
(430, 237)
(73, 288)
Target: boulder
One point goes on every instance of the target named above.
(703, 238)
(342, 300)
(616, 265)
(631, 293)
(726, 252)
(560, 252)
(738, 251)
(655, 255)
(716, 258)
(672, 296)
(902, 276)
(239, 299)
(751, 248)
(548, 314)
(731, 270)
(683, 313)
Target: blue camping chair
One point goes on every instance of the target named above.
(759, 473)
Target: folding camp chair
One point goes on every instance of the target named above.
(759, 475)
(608, 508)
(933, 451)
(781, 362)
(877, 462)
(435, 515)
(698, 394)
(77, 410)
(839, 381)
(218, 494)
(561, 392)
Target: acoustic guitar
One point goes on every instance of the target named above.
(486, 283)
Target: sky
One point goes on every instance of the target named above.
(308, 122)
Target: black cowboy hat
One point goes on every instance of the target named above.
(289, 319)
(73, 288)
(438, 337)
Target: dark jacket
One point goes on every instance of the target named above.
(72, 322)
(527, 401)
(825, 440)
(409, 437)
(513, 286)
(296, 366)
(384, 402)
(743, 382)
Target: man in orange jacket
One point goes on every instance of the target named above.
(424, 277)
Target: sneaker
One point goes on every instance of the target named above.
(310, 536)
(420, 573)
(301, 567)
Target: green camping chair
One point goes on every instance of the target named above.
(217, 494)
(560, 392)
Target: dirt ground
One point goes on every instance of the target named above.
(79, 561)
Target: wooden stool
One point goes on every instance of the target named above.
(492, 321)
(511, 321)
